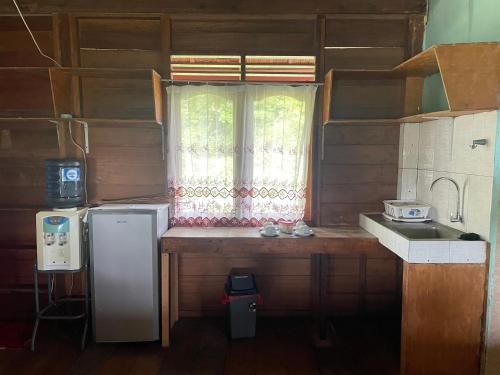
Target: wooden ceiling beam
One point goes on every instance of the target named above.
(218, 6)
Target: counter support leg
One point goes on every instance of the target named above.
(174, 288)
(165, 299)
(319, 275)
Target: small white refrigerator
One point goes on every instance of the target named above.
(124, 244)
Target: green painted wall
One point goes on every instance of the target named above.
(465, 21)
(462, 21)
(457, 21)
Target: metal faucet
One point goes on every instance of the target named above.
(457, 218)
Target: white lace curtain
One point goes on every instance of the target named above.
(238, 155)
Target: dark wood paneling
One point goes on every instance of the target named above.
(16, 46)
(346, 213)
(361, 154)
(119, 33)
(221, 6)
(360, 99)
(25, 93)
(366, 32)
(358, 193)
(244, 36)
(284, 283)
(17, 228)
(117, 98)
(364, 58)
(361, 135)
(360, 174)
(98, 58)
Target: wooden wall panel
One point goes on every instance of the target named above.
(25, 93)
(359, 170)
(381, 58)
(124, 162)
(17, 228)
(244, 36)
(119, 42)
(365, 99)
(117, 98)
(285, 283)
(262, 7)
(99, 58)
(359, 162)
(365, 42)
(16, 46)
(119, 33)
(22, 154)
(366, 32)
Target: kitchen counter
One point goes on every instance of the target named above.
(339, 240)
(441, 245)
(326, 240)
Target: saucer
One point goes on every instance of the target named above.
(262, 233)
(305, 234)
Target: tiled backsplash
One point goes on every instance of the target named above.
(442, 148)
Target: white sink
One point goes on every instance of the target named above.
(429, 242)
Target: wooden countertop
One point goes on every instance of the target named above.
(230, 240)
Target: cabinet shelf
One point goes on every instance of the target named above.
(361, 122)
(92, 93)
(29, 122)
(470, 73)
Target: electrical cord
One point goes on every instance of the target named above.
(33, 37)
(84, 159)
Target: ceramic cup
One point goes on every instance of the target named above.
(299, 224)
(303, 230)
(270, 230)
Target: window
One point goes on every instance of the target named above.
(248, 67)
(238, 154)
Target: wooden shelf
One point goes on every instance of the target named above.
(92, 93)
(423, 64)
(361, 122)
(17, 122)
(424, 117)
(107, 93)
(363, 74)
(470, 73)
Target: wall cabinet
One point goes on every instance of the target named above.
(470, 73)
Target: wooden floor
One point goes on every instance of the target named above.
(282, 346)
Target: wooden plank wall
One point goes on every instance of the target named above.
(359, 167)
(262, 7)
(359, 164)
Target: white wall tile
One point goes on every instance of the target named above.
(424, 180)
(407, 184)
(478, 161)
(442, 143)
(429, 252)
(426, 146)
(444, 150)
(479, 206)
(410, 134)
(434, 149)
(467, 252)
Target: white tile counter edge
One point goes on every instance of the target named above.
(442, 252)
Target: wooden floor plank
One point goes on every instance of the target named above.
(201, 346)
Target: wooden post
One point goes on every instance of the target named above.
(165, 300)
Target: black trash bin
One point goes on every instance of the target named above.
(242, 298)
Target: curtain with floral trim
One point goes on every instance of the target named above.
(237, 155)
